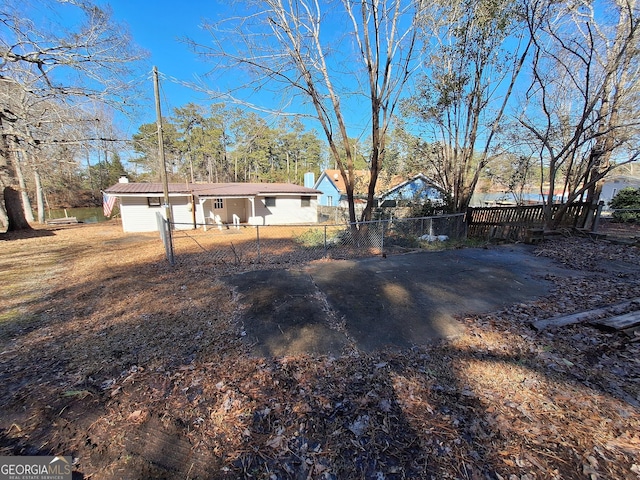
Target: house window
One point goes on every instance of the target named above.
(305, 201)
(329, 201)
(153, 201)
(218, 204)
(269, 201)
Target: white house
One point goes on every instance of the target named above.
(612, 185)
(202, 204)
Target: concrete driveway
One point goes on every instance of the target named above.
(394, 302)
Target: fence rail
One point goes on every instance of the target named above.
(244, 245)
(626, 214)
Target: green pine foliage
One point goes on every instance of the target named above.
(626, 204)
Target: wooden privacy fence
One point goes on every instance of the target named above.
(516, 223)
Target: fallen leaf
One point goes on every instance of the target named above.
(136, 416)
(275, 442)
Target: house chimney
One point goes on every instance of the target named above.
(309, 179)
(123, 179)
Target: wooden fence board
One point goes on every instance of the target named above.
(62, 221)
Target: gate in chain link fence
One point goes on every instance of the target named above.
(280, 245)
(164, 227)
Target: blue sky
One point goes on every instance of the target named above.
(162, 27)
(158, 27)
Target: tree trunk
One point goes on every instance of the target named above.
(4, 220)
(12, 203)
(15, 212)
(39, 195)
(26, 203)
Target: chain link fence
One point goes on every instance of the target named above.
(243, 246)
(416, 232)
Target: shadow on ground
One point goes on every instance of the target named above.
(24, 234)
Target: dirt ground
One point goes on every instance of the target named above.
(141, 370)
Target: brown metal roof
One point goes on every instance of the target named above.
(212, 189)
(146, 188)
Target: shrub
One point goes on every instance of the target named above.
(314, 237)
(626, 205)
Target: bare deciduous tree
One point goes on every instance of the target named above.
(354, 49)
(580, 111)
(477, 52)
(61, 63)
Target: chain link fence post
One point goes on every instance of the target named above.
(325, 242)
(258, 241)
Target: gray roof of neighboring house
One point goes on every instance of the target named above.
(212, 189)
(420, 176)
(621, 177)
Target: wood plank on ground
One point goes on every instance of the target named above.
(620, 322)
(62, 221)
(586, 316)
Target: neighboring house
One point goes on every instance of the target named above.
(390, 189)
(215, 204)
(416, 189)
(612, 185)
(334, 191)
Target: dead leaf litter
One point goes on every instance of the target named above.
(138, 370)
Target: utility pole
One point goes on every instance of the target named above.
(163, 165)
(168, 241)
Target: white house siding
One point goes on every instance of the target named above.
(181, 212)
(236, 206)
(138, 216)
(613, 185)
(288, 210)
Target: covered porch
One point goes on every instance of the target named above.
(225, 211)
